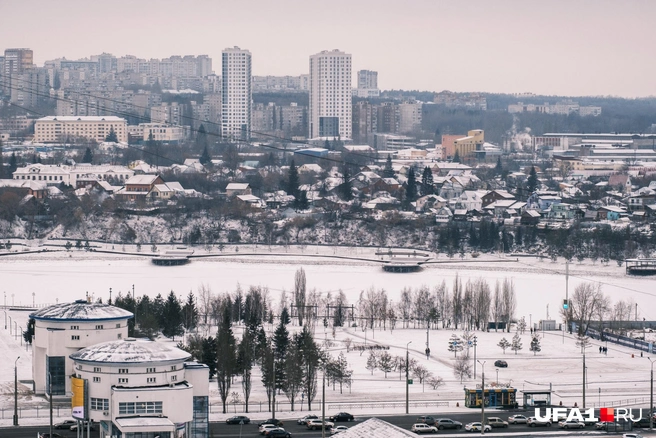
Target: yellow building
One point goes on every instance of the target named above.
(466, 146)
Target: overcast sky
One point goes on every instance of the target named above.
(565, 47)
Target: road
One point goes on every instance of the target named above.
(404, 421)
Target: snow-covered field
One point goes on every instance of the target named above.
(618, 376)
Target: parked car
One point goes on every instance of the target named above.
(84, 426)
(303, 420)
(273, 421)
(447, 423)
(66, 424)
(534, 422)
(427, 419)
(641, 423)
(501, 364)
(496, 422)
(631, 435)
(317, 424)
(572, 424)
(238, 419)
(278, 432)
(517, 419)
(423, 428)
(342, 416)
(476, 427)
(338, 429)
(47, 435)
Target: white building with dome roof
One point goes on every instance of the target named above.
(137, 387)
(62, 329)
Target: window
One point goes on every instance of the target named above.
(75, 327)
(122, 380)
(118, 325)
(97, 370)
(150, 370)
(174, 367)
(152, 407)
(151, 380)
(120, 335)
(122, 370)
(174, 378)
(96, 380)
(99, 404)
(99, 327)
(75, 337)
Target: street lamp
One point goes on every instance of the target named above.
(16, 392)
(407, 377)
(483, 397)
(497, 376)
(475, 343)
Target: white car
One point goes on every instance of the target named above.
(631, 435)
(476, 427)
(573, 424)
(533, 422)
(266, 427)
(338, 429)
(423, 428)
(517, 419)
(317, 424)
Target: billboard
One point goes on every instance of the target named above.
(79, 398)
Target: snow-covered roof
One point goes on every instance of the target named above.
(81, 119)
(131, 351)
(376, 427)
(141, 179)
(81, 310)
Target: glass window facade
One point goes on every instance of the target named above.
(200, 425)
(56, 375)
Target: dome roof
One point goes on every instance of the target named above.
(131, 351)
(81, 310)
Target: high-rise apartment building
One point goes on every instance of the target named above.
(367, 79)
(17, 61)
(330, 95)
(236, 95)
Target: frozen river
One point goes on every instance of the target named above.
(540, 286)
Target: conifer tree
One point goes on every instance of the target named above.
(346, 188)
(88, 156)
(172, 317)
(532, 180)
(293, 182)
(427, 182)
(411, 187)
(111, 137)
(516, 343)
(190, 313)
(205, 157)
(456, 157)
(226, 351)
(535, 345)
(388, 171)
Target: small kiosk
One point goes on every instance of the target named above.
(494, 397)
(536, 398)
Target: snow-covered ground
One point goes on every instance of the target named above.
(611, 378)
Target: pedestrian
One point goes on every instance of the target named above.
(600, 349)
(427, 353)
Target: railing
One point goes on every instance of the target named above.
(217, 408)
(625, 402)
(44, 412)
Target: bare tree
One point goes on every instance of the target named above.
(385, 362)
(455, 344)
(588, 302)
(205, 301)
(405, 305)
(509, 302)
(462, 367)
(497, 305)
(435, 382)
(456, 302)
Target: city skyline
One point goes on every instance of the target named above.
(503, 46)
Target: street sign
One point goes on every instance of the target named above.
(409, 381)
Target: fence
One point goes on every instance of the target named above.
(621, 340)
(57, 412)
(217, 408)
(624, 402)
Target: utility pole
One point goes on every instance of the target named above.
(275, 387)
(407, 376)
(651, 396)
(566, 298)
(50, 397)
(475, 343)
(16, 392)
(583, 377)
(482, 397)
(323, 404)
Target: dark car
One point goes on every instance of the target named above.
(501, 364)
(278, 433)
(85, 425)
(271, 421)
(238, 419)
(447, 423)
(47, 435)
(66, 424)
(642, 423)
(342, 416)
(426, 419)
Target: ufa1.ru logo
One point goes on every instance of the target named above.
(605, 414)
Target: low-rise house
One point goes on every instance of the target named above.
(383, 203)
(638, 200)
(496, 195)
(428, 202)
(139, 186)
(37, 189)
(443, 215)
(561, 211)
(610, 212)
(251, 200)
(530, 217)
(236, 189)
(620, 182)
